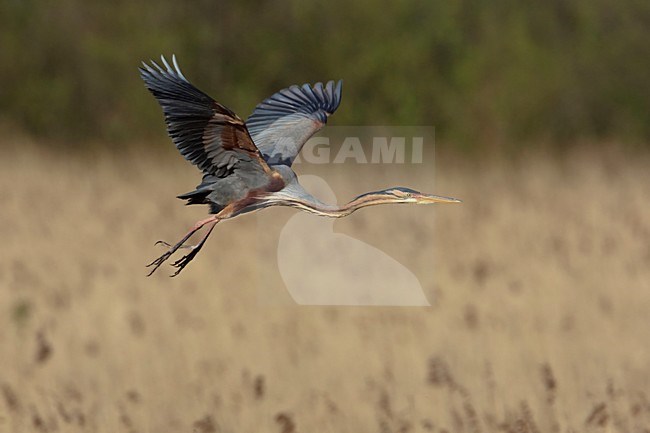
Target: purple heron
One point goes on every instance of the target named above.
(247, 165)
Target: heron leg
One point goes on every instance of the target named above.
(162, 259)
(186, 259)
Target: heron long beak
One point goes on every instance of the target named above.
(429, 198)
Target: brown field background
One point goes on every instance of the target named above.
(540, 290)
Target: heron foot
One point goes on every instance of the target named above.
(173, 248)
(160, 260)
(186, 259)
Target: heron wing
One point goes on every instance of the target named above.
(205, 132)
(281, 124)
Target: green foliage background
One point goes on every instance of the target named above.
(485, 73)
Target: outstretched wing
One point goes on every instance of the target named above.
(206, 133)
(281, 124)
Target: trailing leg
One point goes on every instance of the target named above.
(185, 260)
(162, 259)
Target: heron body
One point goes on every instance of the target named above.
(247, 165)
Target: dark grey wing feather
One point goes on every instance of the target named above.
(205, 132)
(281, 124)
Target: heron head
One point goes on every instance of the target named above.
(401, 194)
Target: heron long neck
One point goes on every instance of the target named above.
(317, 207)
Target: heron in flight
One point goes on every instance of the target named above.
(247, 165)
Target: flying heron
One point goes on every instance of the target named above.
(247, 165)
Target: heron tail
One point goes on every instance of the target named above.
(199, 195)
(195, 197)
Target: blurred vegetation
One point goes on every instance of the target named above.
(483, 72)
